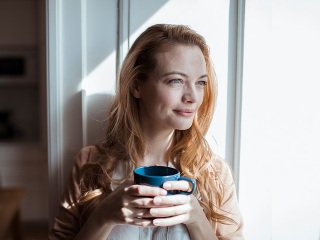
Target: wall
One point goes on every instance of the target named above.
(82, 76)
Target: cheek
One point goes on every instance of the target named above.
(166, 98)
(157, 103)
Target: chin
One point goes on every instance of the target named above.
(184, 127)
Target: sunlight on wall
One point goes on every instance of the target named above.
(98, 35)
(102, 78)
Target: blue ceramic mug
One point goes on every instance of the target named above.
(157, 175)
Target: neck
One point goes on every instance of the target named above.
(157, 146)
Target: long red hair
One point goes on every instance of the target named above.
(124, 142)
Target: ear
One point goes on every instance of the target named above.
(136, 89)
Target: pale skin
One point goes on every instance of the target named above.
(169, 100)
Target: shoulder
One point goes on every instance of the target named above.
(222, 170)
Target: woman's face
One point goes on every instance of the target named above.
(170, 97)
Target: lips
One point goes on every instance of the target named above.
(184, 112)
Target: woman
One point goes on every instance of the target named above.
(162, 110)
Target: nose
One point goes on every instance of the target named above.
(189, 94)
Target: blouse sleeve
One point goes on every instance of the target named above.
(230, 206)
(67, 223)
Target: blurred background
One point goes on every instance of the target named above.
(23, 131)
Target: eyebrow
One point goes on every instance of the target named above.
(182, 74)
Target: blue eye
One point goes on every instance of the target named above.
(202, 83)
(175, 81)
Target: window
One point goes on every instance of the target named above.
(279, 170)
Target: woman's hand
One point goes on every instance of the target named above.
(130, 204)
(175, 209)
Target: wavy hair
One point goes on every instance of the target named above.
(124, 141)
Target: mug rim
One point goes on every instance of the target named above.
(155, 166)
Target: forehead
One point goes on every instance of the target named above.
(180, 57)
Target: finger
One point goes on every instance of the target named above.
(170, 211)
(177, 185)
(139, 222)
(142, 202)
(136, 213)
(143, 190)
(166, 222)
(177, 199)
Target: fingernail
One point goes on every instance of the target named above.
(156, 222)
(163, 192)
(153, 211)
(167, 185)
